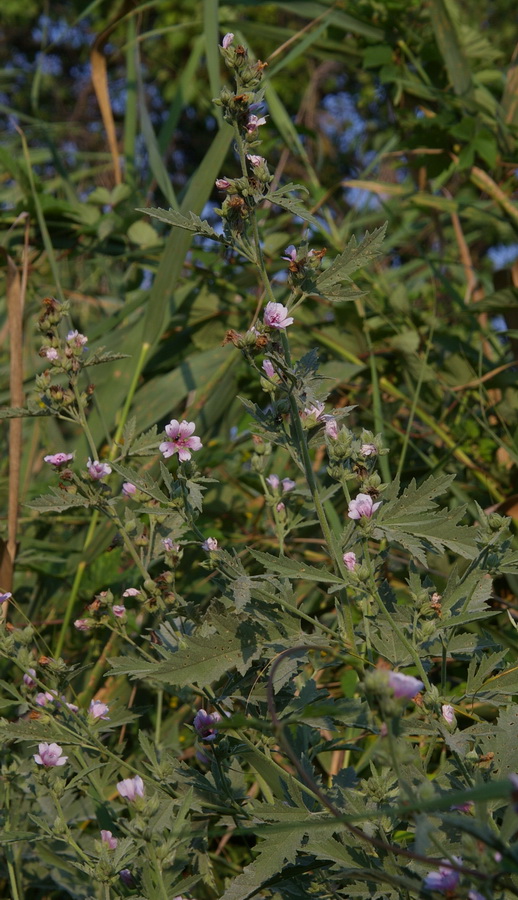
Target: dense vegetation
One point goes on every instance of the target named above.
(227, 582)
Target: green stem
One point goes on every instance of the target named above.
(128, 543)
(406, 643)
(159, 705)
(75, 586)
(158, 869)
(82, 421)
(129, 399)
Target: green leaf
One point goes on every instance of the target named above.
(19, 412)
(291, 568)
(445, 21)
(58, 501)
(354, 257)
(293, 204)
(191, 222)
(143, 481)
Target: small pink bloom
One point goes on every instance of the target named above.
(78, 339)
(280, 507)
(51, 353)
(274, 481)
(5, 596)
(268, 368)
(131, 592)
(58, 459)
(71, 706)
(332, 428)
(362, 507)
(222, 184)
(107, 838)
(445, 879)
(463, 807)
(98, 710)
(404, 686)
(448, 713)
(41, 699)
(182, 440)
(128, 489)
(476, 895)
(119, 610)
(170, 546)
(254, 122)
(276, 315)
(291, 253)
(28, 678)
(82, 624)
(350, 560)
(316, 410)
(131, 788)
(368, 450)
(50, 755)
(255, 160)
(288, 485)
(204, 724)
(227, 40)
(97, 470)
(210, 544)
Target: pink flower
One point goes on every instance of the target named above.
(276, 315)
(463, 807)
(82, 624)
(210, 544)
(227, 40)
(50, 755)
(107, 838)
(222, 184)
(97, 470)
(128, 489)
(119, 610)
(476, 895)
(182, 440)
(404, 686)
(280, 507)
(79, 339)
(5, 596)
(41, 699)
(332, 428)
(448, 713)
(131, 788)
(254, 159)
(288, 485)
(28, 678)
(274, 481)
(170, 546)
(369, 450)
(254, 122)
(131, 592)
(58, 459)
(98, 710)
(362, 507)
(445, 879)
(51, 353)
(204, 724)
(71, 706)
(268, 368)
(316, 410)
(350, 560)
(291, 253)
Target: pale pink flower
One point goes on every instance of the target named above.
(119, 610)
(316, 410)
(254, 122)
(291, 253)
(97, 470)
(41, 699)
(107, 838)
(331, 428)
(227, 40)
(204, 724)
(445, 879)
(268, 368)
(131, 788)
(463, 807)
(210, 544)
(29, 677)
(79, 339)
(222, 184)
(404, 686)
(274, 481)
(362, 507)
(82, 624)
(58, 459)
(476, 895)
(170, 546)
(51, 353)
(448, 713)
(98, 709)
(280, 507)
(369, 450)
(276, 315)
(182, 440)
(255, 159)
(288, 485)
(71, 706)
(50, 755)
(131, 592)
(350, 560)
(128, 489)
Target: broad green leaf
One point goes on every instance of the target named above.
(445, 15)
(291, 568)
(191, 222)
